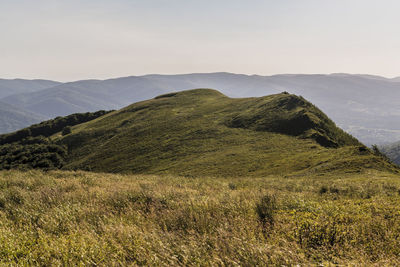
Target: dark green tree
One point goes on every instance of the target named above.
(66, 130)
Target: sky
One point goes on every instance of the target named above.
(83, 39)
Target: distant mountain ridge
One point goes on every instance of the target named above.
(13, 118)
(17, 86)
(364, 105)
(392, 151)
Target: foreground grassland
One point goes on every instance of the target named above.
(72, 218)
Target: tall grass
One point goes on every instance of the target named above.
(82, 218)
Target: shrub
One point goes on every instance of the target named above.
(2, 202)
(232, 186)
(334, 190)
(66, 130)
(50, 127)
(266, 209)
(323, 189)
(378, 153)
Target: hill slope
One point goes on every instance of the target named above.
(31, 147)
(202, 132)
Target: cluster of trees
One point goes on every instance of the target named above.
(31, 148)
(32, 152)
(50, 127)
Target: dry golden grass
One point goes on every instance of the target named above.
(83, 218)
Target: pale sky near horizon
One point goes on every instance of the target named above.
(69, 40)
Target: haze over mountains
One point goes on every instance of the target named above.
(364, 105)
(12, 117)
(16, 86)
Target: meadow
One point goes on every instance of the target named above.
(84, 218)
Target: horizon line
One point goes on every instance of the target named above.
(205, 73)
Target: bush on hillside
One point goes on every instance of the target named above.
(266, 210)
(50, 127)
(66, 130)
(30, 148)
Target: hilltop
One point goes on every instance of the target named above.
(205, 133)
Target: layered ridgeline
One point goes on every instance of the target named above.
(202, 132)
(13, 117)
(17, 86)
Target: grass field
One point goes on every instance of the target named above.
(83, 218)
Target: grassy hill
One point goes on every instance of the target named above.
(31, 147)
(202, 132)
(195, 133)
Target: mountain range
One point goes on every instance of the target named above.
(366, 106)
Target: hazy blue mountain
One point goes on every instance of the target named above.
(392, 151)
(17, 86)
(12, 118)
(364, 105)
(90, 95)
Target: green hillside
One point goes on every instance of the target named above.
(202, 132)
(31, 147)
(193, 133)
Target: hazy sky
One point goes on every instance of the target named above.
(79, 39)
